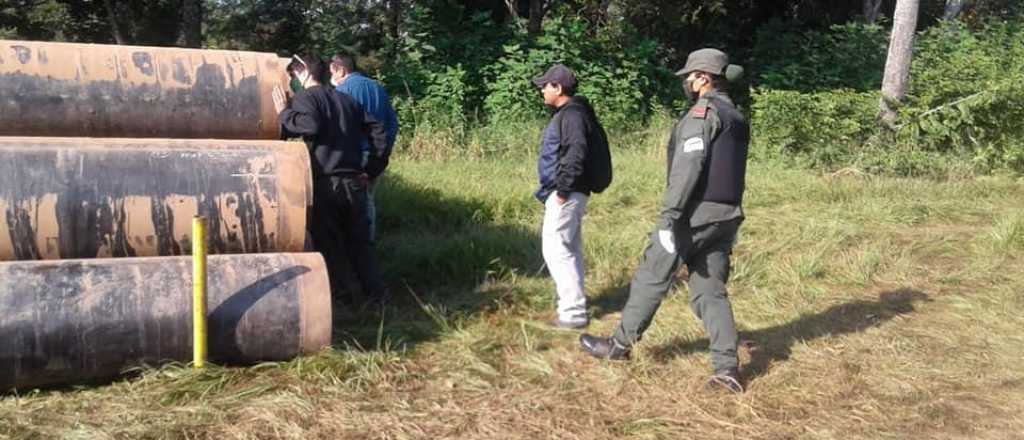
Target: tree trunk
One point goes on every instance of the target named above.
(536, 17)
(603, 11)
(897, 63)
(394, 19)
(115, 27)
(393, 28)
(871, 10)
(512, 7)
(191, 24)
(953, 9)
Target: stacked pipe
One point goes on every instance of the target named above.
(106, 154)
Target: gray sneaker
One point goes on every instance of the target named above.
(569, 325)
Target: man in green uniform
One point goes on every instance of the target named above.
(701, 214)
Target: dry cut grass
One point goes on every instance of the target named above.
(870, 308)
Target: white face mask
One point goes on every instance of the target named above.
(691, 94)
(302, 77)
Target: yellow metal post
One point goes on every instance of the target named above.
(199, 292)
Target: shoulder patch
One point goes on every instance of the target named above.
(693, 144)
(700, 112)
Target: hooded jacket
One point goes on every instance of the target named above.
(332, 124)
(574, 152)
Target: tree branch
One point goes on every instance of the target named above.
(115, 27)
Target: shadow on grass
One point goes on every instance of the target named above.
(609, 300)
(439, 247)
(775, 344)
(613, 299)
(434, 251)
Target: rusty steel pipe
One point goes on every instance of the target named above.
(66, 198)
(95, 90)
(71, 321)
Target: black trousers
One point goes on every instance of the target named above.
(340, 229)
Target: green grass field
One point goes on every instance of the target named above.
(874, 307)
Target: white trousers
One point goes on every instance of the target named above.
(562, 246)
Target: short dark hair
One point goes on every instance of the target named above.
(312, 63)
(345, 61)
(717, 81)
(568, 90)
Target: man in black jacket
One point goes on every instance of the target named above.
(574, 162)
(332, 124)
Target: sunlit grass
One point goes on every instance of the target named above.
(875, 307)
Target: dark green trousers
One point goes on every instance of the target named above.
(705, 250)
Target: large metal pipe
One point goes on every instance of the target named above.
(68, 89)
(78, 320)
(93, 198)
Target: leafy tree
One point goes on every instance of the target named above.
(849, 56)
(142, 22)
(257, 25)
(154, 22)
(54, 20)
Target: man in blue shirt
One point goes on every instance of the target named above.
(347, 79)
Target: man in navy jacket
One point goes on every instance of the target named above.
(574, 162)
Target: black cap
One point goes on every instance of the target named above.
(557, 74)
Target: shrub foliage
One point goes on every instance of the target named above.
(965, 98)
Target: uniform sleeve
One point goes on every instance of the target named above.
(302, 118)
(691, 141)
(573, 155)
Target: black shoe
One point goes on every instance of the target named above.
(728, 379)
(604, 348)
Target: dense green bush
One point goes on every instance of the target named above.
(617, 72)
(814, 102)
(967, 94)
(442, 101)
(478, 72)
(965, 101)
(850, 56)
(816, 129)
(436, 72)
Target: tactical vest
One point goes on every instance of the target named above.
(724, 175)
